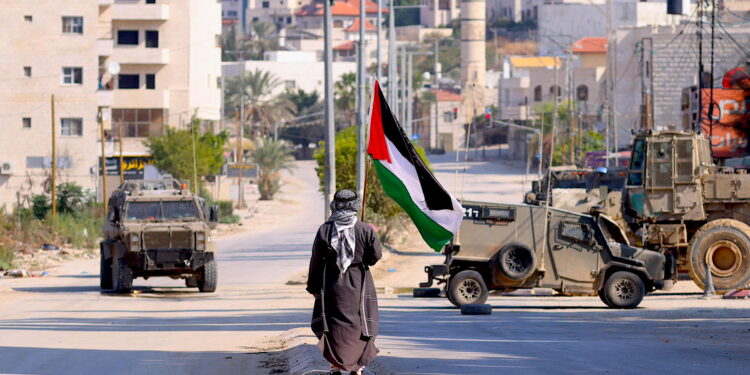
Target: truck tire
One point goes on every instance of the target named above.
(467, 287)
(208, 277)
(476, 309)
(122, 276)
(623, 290)
(105, 268)
(723, 245)
(105, 273)
(515, 262)
(191, 282)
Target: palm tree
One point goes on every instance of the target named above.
(261, 38)
(271, 157)
(262, 109)
(346, 97)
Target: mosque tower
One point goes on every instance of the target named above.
(473, 58)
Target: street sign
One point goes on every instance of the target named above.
(415, 137)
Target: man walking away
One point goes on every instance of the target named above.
(345, 315)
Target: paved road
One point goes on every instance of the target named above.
(64, 325)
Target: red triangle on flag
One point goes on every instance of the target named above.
(377, 147)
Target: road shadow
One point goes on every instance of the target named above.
(59, 361)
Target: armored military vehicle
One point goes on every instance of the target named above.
(693, 210)
(157, 228)
(503, 247)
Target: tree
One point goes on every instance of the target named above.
(229, 45)
(346, 97)
(262, 110)
(381, 210)
(173, 152)
(261, 38)
(271, 157)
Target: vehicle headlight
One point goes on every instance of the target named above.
(135, 242)
(200, 241)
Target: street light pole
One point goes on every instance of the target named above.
(392, 57)
(379, 69)
(361, 56)
(330, 136)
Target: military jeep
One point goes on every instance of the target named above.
(157, 228)
(503, 247)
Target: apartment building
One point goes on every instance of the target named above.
(169, 52)
(277, 12)
(141, 64)
(233, 13)
(50, 47)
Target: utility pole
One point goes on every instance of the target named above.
(379, 69)
(104, 161)
(611, 40)
(361, 121)
(392, 57)
(438, 146)
(240, 144)
(54, 160)
(330, 136)
(402, 81)
(122, 158)
(409, 89)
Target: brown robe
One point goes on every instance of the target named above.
(345, 315)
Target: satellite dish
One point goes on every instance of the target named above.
(113, 68)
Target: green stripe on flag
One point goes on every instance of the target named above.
(433, 233)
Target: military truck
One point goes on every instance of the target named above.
(158, 228)
(503, 247)
(681, 203)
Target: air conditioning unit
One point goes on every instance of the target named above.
(7, 168)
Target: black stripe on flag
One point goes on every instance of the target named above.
(435, 196)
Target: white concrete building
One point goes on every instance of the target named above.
(50, 48)
(170, 57)
(276, 12)
(557, 30)
(294, 70)
(233, 13)
(513, 10)
(436, 13)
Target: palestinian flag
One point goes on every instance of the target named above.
(407, 180)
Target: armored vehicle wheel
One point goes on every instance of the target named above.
(208, 277)
(467, 287)
(724, 246)
(122, 276)
(603, 297)
(105, 273)
(623, 290)
(516, 262)
(191, 282)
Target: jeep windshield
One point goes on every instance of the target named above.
(161, 211)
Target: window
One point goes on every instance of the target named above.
(575, 231)
(28, 18)
(538, 93)
(582, 93)
(138, 123)
(232, 13)
(265, 4)
(150, 81)
(71, 126)
(448, 116)
(255, 19)
(46, 162)
(27, 71)
(290, 84)
(72, 75)
(635, 177)
(553, 89)
(128, 81)
(338, 24)
(127, 37)
(150, 1)
(72, 25)
(280, 19)
(152, 39)
(289, 20)
(26, 122)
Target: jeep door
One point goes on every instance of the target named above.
(574, 251)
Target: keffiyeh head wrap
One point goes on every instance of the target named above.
(343, 216)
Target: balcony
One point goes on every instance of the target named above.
(140, 55)
(105, 3)
(104, 47)
(142, 98)
(105, 98)
(140, 12)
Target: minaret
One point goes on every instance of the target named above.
(473, 56)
